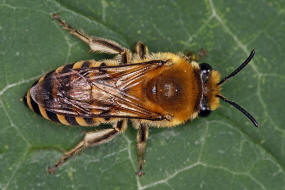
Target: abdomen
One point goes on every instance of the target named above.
(45, 91)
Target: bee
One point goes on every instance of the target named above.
(149, 89)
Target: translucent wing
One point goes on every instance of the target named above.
(95, 91)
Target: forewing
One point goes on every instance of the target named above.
(66, 92)
(94, 92)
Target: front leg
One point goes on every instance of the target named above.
(142, 137)
(195, 57)
(97, 44)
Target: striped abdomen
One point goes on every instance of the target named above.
(47, 95)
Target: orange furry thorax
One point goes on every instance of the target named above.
(171, 90)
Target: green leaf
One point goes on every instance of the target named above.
(223, 151)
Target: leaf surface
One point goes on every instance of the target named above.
(223, 151)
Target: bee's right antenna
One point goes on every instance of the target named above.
(248, 115)
(239, 68)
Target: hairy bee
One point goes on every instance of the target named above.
(150, 89)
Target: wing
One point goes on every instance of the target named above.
(95, 91)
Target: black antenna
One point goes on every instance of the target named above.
(240, 109)
(239, 68)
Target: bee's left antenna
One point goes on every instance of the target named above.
(248, 115)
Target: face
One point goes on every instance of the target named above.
(205, 75)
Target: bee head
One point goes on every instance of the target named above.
(211, 89)
(209, 79)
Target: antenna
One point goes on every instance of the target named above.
(248, 115)
(238, 69)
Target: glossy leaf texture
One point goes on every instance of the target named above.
(223, 151)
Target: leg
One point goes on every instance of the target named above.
(96, 44)
(141, 50)
(91, 139)
(124, 57)
(193, 57)
(142, 136)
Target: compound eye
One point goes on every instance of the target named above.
(205, 68)
(204, 111)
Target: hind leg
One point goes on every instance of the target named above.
(91, 139)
